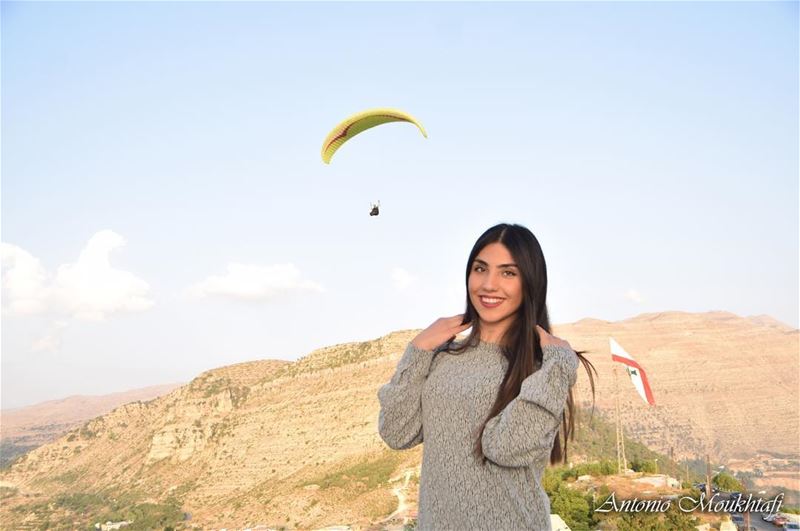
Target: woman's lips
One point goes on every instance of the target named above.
(490, 302)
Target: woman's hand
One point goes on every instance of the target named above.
(547, 339)
(440, 331)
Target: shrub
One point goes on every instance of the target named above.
(572, 507)
(727, 482)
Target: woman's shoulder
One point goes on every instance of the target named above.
(464, 348)
(453, 346)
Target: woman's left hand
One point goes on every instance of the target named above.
(546, 339)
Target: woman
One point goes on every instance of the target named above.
(493, 409)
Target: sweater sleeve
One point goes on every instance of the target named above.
(524, 431)
(400, 421)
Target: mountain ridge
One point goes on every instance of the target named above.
(257, 441)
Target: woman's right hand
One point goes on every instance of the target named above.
(547, 339)
(440, 331)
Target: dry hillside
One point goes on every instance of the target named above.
(28, 427)
(724, 385)
(295, 444)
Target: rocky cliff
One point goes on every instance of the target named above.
(295, 444)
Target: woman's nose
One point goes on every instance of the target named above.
(489, 282)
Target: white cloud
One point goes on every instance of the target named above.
(634, 296)
(51, 341)
(402, 279)
(92, 289)
(254, 283)
(88, 289)
(24, 281)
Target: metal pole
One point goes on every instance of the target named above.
(622, 463)
(616, 420)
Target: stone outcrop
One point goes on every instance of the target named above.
(254, 442)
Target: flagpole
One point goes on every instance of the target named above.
(622, 463)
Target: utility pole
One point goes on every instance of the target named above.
(708, 477)
(622, 463)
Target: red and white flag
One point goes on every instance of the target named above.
(635, 371)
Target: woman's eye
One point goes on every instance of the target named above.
(509, 273)
(478, 268)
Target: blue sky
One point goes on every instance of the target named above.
(165, 209)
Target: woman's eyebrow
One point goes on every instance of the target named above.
(482, 262)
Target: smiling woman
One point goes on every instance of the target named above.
(494, 408)
(495, 290)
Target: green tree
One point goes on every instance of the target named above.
(726, 482)
(637, 522)
(643, 465)
(677, 519)
(671, 520)
(573, 507)
(551, 481)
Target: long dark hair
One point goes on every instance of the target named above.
(521, 345)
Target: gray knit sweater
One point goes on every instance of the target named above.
(443, 398)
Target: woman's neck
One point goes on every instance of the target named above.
(493, 333)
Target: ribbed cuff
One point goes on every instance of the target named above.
(548, 387)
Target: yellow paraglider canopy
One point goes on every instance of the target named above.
(360, 122)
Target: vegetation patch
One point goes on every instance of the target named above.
(379, 505)
(338, 358)
(150, 516)
(727, 483)
(577, 508)
(69, 477)
(362, 476)
(220, 430)
(8, 492)
(11, 453)
(673, 519)
(239, 394)
(87, 432)
(595, 438)
(87, 508)
(184, 488)
(214, 387)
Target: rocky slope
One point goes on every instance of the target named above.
(295, 444)
(724, 385)
(23, 429)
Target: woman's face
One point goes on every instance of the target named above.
(495, 287)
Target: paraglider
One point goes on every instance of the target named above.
(375, 208)
(359, 123)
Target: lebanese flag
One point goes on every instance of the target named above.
(635, 371)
